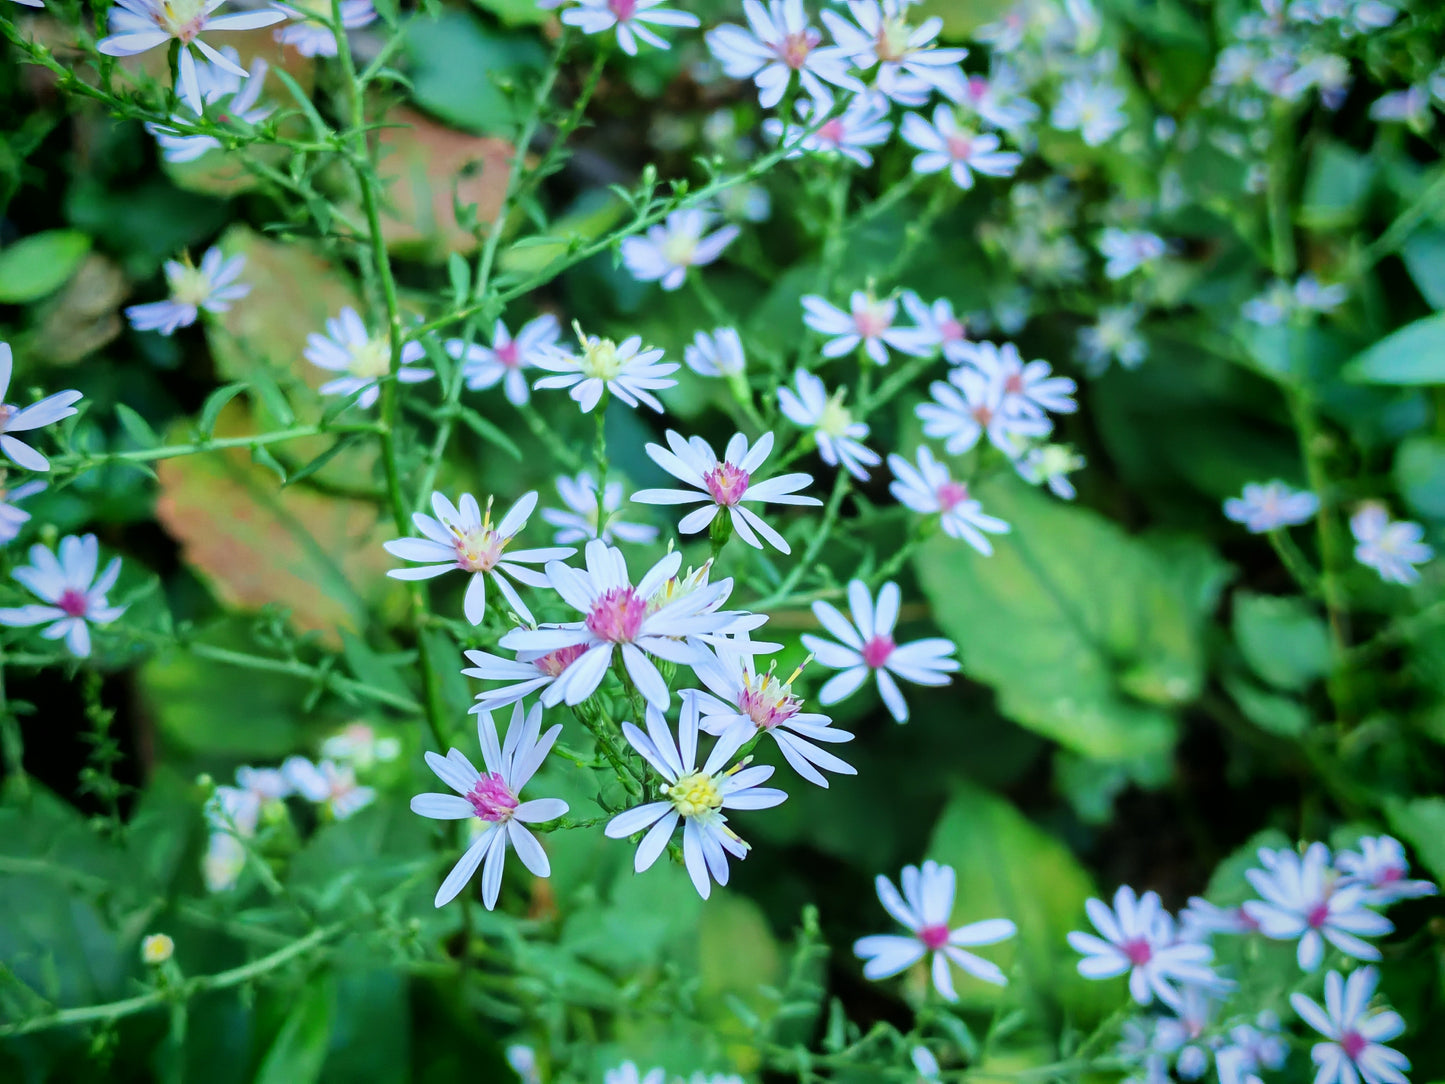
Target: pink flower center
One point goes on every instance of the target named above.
(951, 330)
(1353, 1044)
(795, 48)
(618, 615)
(73, 602)
(726, 483)
(870, 321)
(1138, 951)
(1318, 916)
(934, 937)
(1388, 875)
(832, 131)
(977, 88)
(1014, 385)
(478, 551)
(492, 800)
(6, 413)
(766, 708)
(508, 355)
(554, 662)
(877, 651)
(959, 147)
(1246, 921)
(982, 414)
(951, 495)
(623, 9)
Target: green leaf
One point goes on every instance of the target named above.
(1284, 641)
(300, 1048)
(1421, 823)
(1088, 635)
(1006, 865)
(1420, 475)
(489, 432)
(467, 73)
(136, 427)
(214, 404)
(1335, 191)
(1424, 256)
(1413, 355)
(40, 264)
(460, 273)
(1271, 712)
(515, 12)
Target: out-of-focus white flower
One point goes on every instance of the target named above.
(1094, 109)
(839, 438)
(864, 123)
(587, 517)
(1251, 1048)
(909, 65)
(925, 1064)
(1409, 106)
(493, 797)
(867, 647)
(1200, 920)
(627, 1073)
(211, 286)
(1138, 937)
(695, 796)
(868, 322)
(1125, 251)
(347, 347)
(1137, 1047)
(939, 326)
(359, 745)
(14, 419)
(665, 252)
(1050, 465)
(631, 18)
(329, 784)
(997, 99)
(11, 517)
(778, 42)
(1028, 388)
(1355, 1035)
(72, 596)
(236, 97)
(1114, 337)
(1391, 547)
(508, 358)
(1380, 866)
(1301, 901)
(945, 144)
(137, 26)
(725, 483)
(924, 908)
(223, 861)
(929, 489)
(626, 370)
(530, 672)
(523, 1060)
(310, 33)
(1183, 1036)
(716, 354)
(463, 538)
(1270, 506)
(970, 404)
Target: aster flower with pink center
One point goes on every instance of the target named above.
(328, 784)
(946, 145)
(1303, 899)
(972, 403)
(1200, 920)
(13, 419)
(695, 796)
(72, 597)
(1138, 936)
(1354, 1033)
(868, 322)
(631, 19)
(998, 98)
(529, 672)
(507, 359)
(724, 483)
(863, 123)
(464, 538)
(1381, 867)
(778, 43)
(12, 518)
(493, 797)
(928, 488)
(1029, 388)
(749, 701)
(943, 329)
(868, 647)
(618, 617)
(664, 253)
(925, 908)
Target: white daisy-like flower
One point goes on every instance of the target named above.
(310, 33)
(523, 1061)
(1184, 1036)
(626, 370)
(628, 1073)
(717, 354)
(587, 517)
(529, 672)
(909, 65)
(839, 438)
(734, 623)
(1303, 901)
(359, 745)
(11, 517)
(1050, 465)
(725, 483)
(925, 1064)
(1028, 388)
(1391, 547)
(998, 98)
(631, 18)
(1114, 336)
(211, 286)
(695, 796)
(328, 784)
(72, 596)
(778, 42)
(238, 809)
(462, 537)
(1125, 251)
(943, 329)
(14, 419)
(972, 403)
(223, 861)
(945, 144)
(1380, 866)
(620, 616)
(1201, 920)
(1271, 505)
(925, 907)
(864, 123)
(237, 99)
(744, 699)
(507, 359)
(868, 647)
(1355, 1035)
(929, 489)
(493, 797)
(347, 347)
(665, 252)
(868, 322)
(1139, 937)
(137, 26)
(1094, 109)
(1250, 1049)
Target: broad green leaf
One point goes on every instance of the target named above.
(1413, 355)
(1227, 885)
(1272, 712)
(1420, 822)
(371, 1032)
(1089, 636)
(470, 74)
(1339, 181)
(300, 1048)
(1420, 475)
(737, 956)
(1424, 256)
(40, 264)
(1284, 640)
(515, 12)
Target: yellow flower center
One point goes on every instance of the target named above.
(600, 360)
(190, 286)
(836, 418)
(371, 359)
(694, 794)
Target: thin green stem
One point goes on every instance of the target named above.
(841, 486)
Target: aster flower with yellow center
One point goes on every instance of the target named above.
(212, 286)
(625, 370)
(347, 347)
